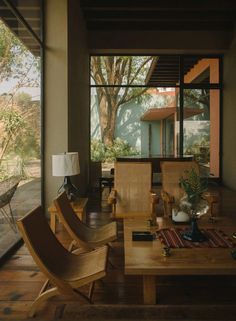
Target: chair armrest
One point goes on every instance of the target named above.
(211, 198)
(112, 197)
(167, 198)
(154, 197)
(168, 202)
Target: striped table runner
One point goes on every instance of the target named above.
(172, 237)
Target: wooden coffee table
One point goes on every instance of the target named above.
(145, 258)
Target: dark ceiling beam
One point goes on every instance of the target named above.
(28, 15)
(14, 24)
(165, 78)
(22, 33)
(21, 19)
(151, 69)
(18, 30)
(137, 5)
(25, 3)
(171, 72)
(33, 23)
(21, 8)
(157, 25)
(223, 15)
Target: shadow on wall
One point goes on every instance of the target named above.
(128, 124)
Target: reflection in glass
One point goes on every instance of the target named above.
(201, 128)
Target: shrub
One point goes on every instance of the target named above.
(101, 152)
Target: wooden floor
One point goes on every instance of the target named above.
(118, 296)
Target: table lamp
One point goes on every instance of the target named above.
(66, 165)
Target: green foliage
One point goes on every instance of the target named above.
(23, 138)
(200, 150)
(105, 153)
(97, 150)
(11, 50)
(198, 98)
(117, 71)
(27, 146)
(194, 186)
(121, 70)
(3, 174)
(23, 100)
(16, 60)
(19, 116)
(12, 120)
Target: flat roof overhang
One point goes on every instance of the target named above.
(154, 114)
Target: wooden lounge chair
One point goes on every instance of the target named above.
(132, 195)
(87, 237)
(66, 272)
(171, 190)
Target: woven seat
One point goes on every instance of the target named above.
(87, 237)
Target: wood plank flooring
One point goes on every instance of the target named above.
(118, 297)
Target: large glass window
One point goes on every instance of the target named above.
(201, 127)
(20, 116)
(167, 105)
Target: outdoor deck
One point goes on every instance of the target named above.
(21, 203)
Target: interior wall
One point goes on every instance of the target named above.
(78, 92)
(55, 92)
(229, 118)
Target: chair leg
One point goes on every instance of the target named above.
(111, 264)
(91, 290)
(43, 295)
(72, 245)
(9, 218)
(78, 293)
(109, 260)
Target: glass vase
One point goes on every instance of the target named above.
(194, 234)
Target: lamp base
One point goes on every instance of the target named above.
(72, 191)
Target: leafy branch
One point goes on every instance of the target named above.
(194, 186)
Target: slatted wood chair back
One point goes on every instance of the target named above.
(171, 174)
(133, 182)
(83, 234)
(75, 227)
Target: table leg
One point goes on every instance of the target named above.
(149, 289)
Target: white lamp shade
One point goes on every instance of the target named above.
(65, 164)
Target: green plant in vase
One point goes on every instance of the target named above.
(193, 203)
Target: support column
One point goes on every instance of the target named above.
(56, 90)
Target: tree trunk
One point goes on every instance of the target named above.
(107, 116)
(112, 70)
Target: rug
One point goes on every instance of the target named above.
(172, 237)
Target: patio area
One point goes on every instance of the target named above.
(26, 197)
